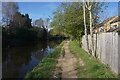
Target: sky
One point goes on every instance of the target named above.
(37, 10)
(43, 10)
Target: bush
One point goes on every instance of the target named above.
(26, 34)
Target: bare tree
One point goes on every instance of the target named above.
(88, 5)
(8, 10)
(85, 27)
(93, 8)
(39, 23)
(42, 23)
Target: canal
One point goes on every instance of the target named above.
(17, 61)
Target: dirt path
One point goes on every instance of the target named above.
(66, 66)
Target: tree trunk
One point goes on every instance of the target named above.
(91, 33)
(86, 36)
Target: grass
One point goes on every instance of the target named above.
(62, 52)
(93, 68)
(46, 66)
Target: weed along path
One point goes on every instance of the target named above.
(66, 66)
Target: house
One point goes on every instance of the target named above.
(109, 25)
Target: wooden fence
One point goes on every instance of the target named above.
(107, 46)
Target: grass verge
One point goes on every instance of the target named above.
(46, 66)
(62, 52)
(92, 68)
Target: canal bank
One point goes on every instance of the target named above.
(46, 66)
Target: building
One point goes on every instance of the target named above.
(109, 25)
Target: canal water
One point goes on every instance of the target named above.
(17, 61)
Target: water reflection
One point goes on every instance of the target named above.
(17, 61)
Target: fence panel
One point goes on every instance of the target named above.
(107, 46)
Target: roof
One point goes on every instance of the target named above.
(107, 20)
(111, 30)
(116, 20)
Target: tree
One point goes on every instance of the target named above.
(8, 10)
(68, 20)
(27, 21)
(85, 27)
(39, 23)
(43, 26)
(20, 20)
(46, 23)
(89, 7)
(94, 9)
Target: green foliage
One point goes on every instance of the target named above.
(62, 52)
(26, 34)
(46, 66)
(21, 20)
(93, 68)
(21, 35)
(118, 31)
(5, 36)
(68, 20)
(18, 28)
